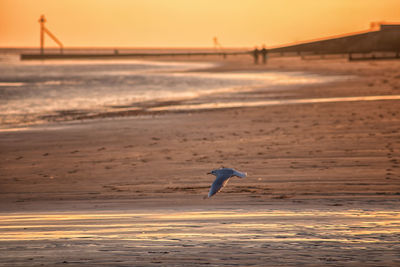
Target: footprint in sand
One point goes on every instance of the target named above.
(394, 162)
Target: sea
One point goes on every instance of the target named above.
(33, 91)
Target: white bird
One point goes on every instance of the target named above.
(222, 179)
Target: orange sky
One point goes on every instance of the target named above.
(187, 23)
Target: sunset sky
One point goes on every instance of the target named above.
(187, 23)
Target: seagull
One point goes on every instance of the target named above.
(223, 175)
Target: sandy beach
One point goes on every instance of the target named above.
(126, 188)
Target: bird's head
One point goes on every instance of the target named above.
(214, 172)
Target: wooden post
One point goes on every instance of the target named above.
(44, 30)
(42, 21)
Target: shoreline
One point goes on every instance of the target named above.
(351, 73)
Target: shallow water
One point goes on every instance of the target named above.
(277, 102)
(30, 91)
(239, 236)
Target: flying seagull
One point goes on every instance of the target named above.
(222, 179)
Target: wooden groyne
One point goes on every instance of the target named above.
(117, 55)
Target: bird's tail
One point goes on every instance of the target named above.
(240, 174)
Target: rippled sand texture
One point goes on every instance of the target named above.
(219, 237)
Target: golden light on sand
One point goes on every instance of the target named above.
(180, 23)
(348, 226)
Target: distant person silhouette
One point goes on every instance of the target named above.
(264, 53)
(255, 55)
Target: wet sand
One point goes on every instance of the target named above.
(267, 237)
(323, 185)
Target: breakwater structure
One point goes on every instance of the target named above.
(382, 41)
(116, 54)
(109, 53)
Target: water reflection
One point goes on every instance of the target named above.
(275, 102)
(34, 92)
(188, 227)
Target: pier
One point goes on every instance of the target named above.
(117, 55)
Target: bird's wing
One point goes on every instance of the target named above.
(219, 182)
(239, 174)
